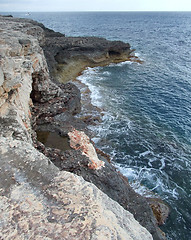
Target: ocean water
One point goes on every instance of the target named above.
(146, 125)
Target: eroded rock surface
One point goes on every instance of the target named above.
(39, 202)
(70, 55)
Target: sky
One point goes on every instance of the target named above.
(93, 5)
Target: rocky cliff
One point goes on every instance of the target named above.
(43, 194)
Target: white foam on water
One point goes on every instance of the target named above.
(132, 175)
(97, 97)
(157, 180)
(175, 193)
(162, 163)
(106, 73)
(150, 161)
(95, 139)
(137, 176)
(139, 56)
(128, 62)
(85, 78)
(143, 154)
(121, 64)
(128, 172)
(142, 190)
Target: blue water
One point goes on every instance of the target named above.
(147, 123)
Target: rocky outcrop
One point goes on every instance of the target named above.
(38, 197)
(20, 58)
(69, 56)
(39, 202)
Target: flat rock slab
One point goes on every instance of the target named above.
(39, 202)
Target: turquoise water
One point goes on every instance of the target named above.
(147, 123)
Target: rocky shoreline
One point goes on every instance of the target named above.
(59, 188)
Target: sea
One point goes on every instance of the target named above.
(146, 125)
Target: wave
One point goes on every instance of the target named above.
(121, 64)
(85, 78)
(161, 185)
(118, 136)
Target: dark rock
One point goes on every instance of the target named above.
(63, 98)
(64, 53)
(91, 120)
(51, 33)
(7, 16)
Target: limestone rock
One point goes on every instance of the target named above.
(79, 140)
(24, 75)
(1, 77)
(20, 58)
(39, 202)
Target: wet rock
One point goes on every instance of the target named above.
(91, 120)
(53, 140)
(160, 210)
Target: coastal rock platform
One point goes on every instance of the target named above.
(47, 192)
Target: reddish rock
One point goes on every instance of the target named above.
(160, 210)
(80, 141)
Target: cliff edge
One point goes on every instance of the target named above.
(42, 192)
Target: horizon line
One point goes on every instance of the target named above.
(97, 11)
